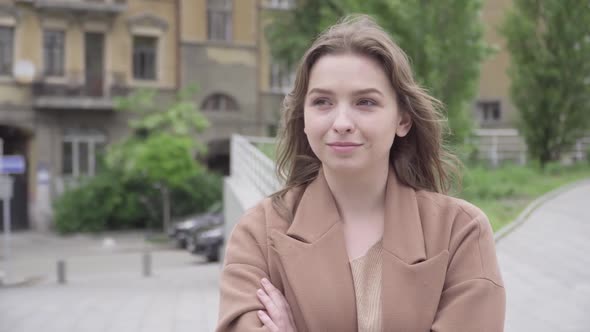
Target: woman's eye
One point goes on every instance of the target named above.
(367, 102)
(320, 102)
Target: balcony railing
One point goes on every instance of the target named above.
(74, 91)
(81, 6)
(279, 4)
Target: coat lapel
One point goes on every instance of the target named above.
(411, 282)
(313, 255)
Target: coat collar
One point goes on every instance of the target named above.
(402, 236)
(315, 262)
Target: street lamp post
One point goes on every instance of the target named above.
(5, 196)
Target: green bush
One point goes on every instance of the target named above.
(554, 168)
(200, 192)
(468, 153)
(109, 201)
(131, 212)
(88, 207)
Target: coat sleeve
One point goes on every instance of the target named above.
(244, 266)
(473, 297)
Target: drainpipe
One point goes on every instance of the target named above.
(178, 45)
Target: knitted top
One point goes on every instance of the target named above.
(366, 274)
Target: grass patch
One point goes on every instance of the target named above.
(504, 192)
(268, 149)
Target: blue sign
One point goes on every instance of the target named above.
(12, 164)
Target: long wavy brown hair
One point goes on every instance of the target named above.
(420, 159)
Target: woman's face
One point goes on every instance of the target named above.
(350, 113)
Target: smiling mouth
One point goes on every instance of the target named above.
(344, 144)
(344, 147)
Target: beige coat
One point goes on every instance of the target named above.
(440, 271)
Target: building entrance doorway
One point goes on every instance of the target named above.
(16, 142)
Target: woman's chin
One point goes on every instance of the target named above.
(345, 166)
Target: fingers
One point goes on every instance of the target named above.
(269, 305)
(276, 305)
(265, 319)
(275, 295)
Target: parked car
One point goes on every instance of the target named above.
(206, 241)
(180, 229)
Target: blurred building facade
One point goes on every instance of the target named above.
(63, 62)
(224, 52)
(492, 108)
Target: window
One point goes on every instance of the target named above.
(219, 20)
(281, 78)
(6, 50)
(144, 57)
(280, 4)
(54, 52)
(219, 102)
(489, 110)
(67, 158)
(80, 151)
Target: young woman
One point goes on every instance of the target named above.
(362, 237)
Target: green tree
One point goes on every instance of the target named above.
(161, 151)
(181, 118)
(549, 43)
(443, 38)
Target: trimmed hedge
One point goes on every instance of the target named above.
(110, 202)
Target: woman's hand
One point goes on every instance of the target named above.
(277, 317)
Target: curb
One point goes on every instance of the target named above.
(23, 282)
(523, 216)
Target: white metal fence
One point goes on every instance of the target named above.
(252, 177)
(501, 145)
(250, 166)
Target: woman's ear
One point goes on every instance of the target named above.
(404, 124)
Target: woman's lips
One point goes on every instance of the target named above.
(344, 147)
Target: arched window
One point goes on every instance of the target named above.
(219, 102)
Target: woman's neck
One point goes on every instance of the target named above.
(358, 195)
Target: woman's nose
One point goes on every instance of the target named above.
(343, 122)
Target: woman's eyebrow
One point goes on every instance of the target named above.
(355, 93)
(369, 90)
(320, 91)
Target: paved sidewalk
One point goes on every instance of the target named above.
(545, 263)
(105, 290)
(34, 255)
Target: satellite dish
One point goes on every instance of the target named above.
(24, 71)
